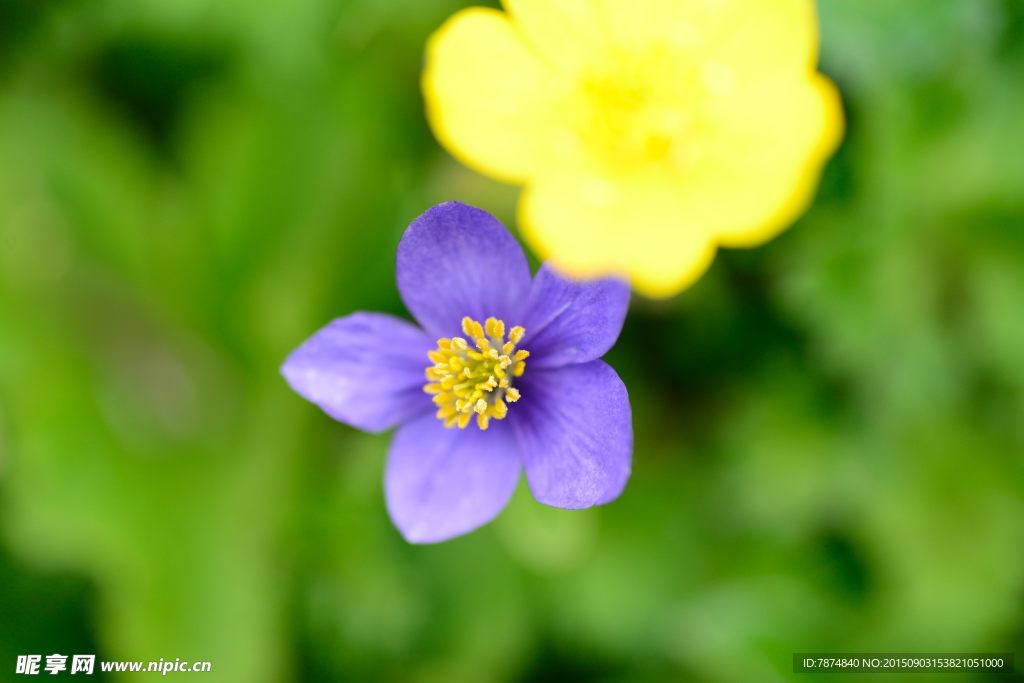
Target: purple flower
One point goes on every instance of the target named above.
(502, 375)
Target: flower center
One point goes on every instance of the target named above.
(625, 126)
(476, 376)
(643, 111)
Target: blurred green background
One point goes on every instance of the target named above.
(829, 429)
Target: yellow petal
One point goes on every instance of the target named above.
(744, 34)
(756, 39)
(565, 33)
(488, 97)
(761, 158)
(633, 226)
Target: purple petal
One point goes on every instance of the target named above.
(575, 431)
(365, 370)
(457, 260)
(571, 321)
(442, 483)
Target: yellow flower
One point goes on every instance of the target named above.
(646, 133)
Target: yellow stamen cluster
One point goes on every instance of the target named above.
(475, 377)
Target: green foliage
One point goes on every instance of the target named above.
(828, 429)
